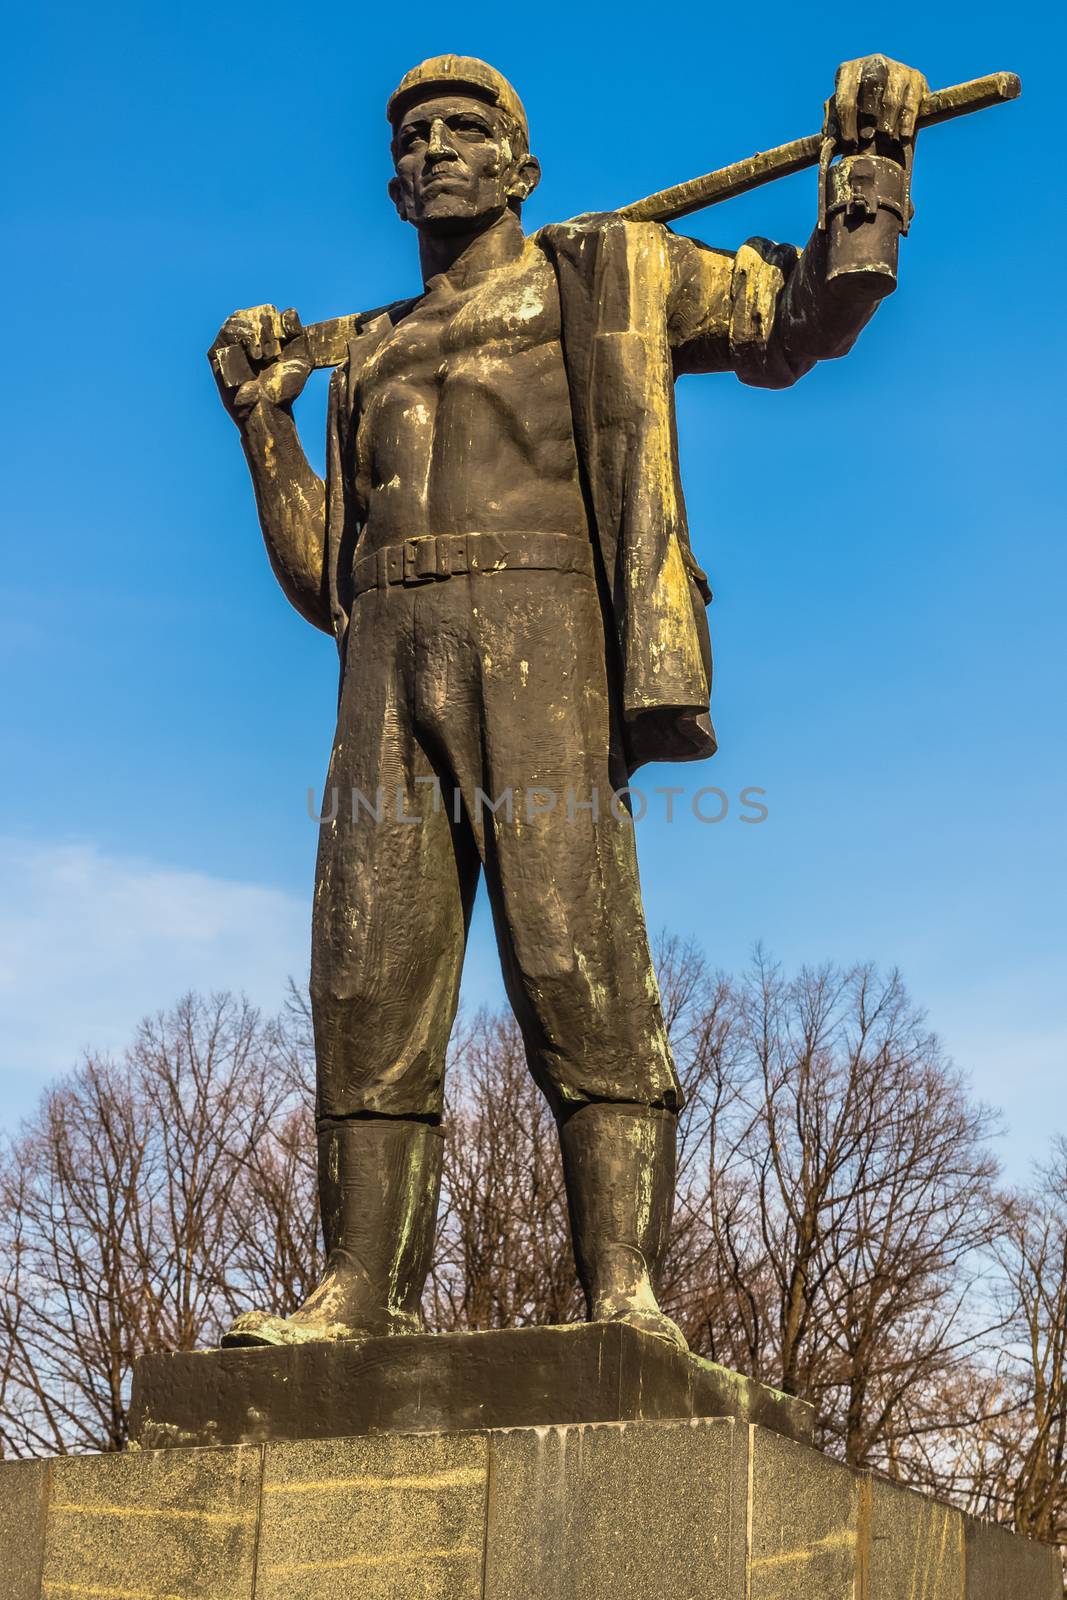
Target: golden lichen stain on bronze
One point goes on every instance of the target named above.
(598, 992)
(662, 647)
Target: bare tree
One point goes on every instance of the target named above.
(1035, 1268)
(120, 1207)
(1024, 1480)
(993, 1437)
(850, 1187)
(503, 1251)
(274, 1243)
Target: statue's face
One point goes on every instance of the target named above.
(455, 165)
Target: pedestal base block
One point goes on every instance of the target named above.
(441, 1383)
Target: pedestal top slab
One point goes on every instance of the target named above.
(516, 1377)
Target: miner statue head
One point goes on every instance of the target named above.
(461, 146)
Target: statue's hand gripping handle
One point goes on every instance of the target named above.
(260, 354)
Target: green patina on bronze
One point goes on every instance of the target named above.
(500, 549)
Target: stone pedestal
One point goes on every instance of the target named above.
(704, 1509)
(575, 1463)
(442, 1383)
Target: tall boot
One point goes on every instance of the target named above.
(619, 1166)
(379, 1185)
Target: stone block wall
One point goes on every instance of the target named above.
(690, 1510)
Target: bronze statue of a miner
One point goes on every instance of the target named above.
(500, 550)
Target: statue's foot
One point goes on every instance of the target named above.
(337, 1310)
(256, 1328)
(657, 1323)
(640, 1311)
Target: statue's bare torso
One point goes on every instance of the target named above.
(465, 417)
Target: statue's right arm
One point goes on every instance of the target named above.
(765, 312)
(290, 496)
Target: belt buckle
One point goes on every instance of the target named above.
(420, 559)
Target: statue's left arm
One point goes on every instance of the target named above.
(770, 312)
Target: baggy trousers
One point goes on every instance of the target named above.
(456, 694)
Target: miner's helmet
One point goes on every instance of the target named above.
(441, 73)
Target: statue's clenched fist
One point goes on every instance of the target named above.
(875, 95)
(260, 354)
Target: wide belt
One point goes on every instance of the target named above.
(431, 557)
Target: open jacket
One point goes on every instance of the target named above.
(639, 306)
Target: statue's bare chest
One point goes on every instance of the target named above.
(494, 332)
(464, 411)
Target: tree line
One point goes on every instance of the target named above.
(841, 1229)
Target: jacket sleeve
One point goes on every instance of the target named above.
(764, 312)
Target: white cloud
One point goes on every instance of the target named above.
(90, 942)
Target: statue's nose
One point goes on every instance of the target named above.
(439, 144)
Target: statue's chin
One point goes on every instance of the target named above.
(450, 215)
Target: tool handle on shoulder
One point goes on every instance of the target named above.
(766, 165)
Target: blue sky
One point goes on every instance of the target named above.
(885, 540)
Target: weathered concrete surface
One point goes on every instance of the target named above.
(703, 1509)
(618, 1512)
(804, 1523)
(129, 1527)
(400, 1515)
(23, 1496)
(513, 1378)
(913, 1546)
(1001, 1566)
